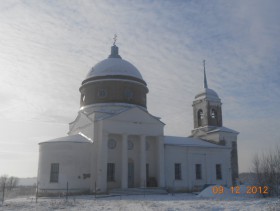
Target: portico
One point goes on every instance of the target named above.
(133, 160)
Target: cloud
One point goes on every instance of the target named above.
(47, 47)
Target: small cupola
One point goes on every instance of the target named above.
(114, 52)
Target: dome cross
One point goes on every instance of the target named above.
(115, 39)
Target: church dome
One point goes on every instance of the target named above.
(207, 93)
(114, 66)
(113, 80)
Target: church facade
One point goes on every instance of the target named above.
(115, 143)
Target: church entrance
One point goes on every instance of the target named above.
(130, 175)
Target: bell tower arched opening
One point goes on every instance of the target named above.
(199, 117)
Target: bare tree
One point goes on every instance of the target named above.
(267, 169)
(277, 168)
(12, 183)
(3, 185)
(6, 184)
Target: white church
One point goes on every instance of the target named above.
(115, 143)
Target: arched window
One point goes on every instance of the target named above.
(213, 114)
(199, 117)
(214, 117)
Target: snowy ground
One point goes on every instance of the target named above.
(142, 203)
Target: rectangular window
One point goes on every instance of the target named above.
(218, 171)
(110, 172)
(178, 175)
(198, 174)
(54, 173)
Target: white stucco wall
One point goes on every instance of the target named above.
(76, 159)
(188, 157)
(73, 159)
(134, 122)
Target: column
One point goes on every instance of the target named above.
(124, 161)
(142, 161)
(160, 160)
(102, 162)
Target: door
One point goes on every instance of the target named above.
(147, 175)
(130, 175)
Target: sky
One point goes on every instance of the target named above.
(48, 47)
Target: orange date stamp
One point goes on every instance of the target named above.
(236, 190)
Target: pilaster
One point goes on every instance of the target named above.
(160, 160)
(142, 161)
(124, 164)
(102, 162)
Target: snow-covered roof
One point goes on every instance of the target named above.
(223, 129)
(78, 138)
(188, 142)
(107, 110)
(114, 66)
(212, 129)
(207, 93)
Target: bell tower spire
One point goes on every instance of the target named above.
(205, 78)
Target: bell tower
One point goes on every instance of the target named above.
(207, 107)
(208, 124)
